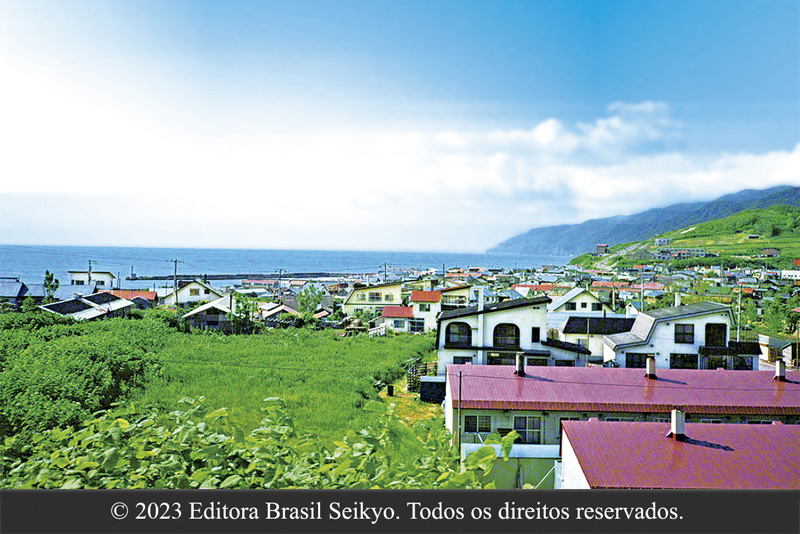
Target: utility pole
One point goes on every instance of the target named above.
(175, 279)
(739, 320)
(385, 276)
(280, 288)
(459, 417)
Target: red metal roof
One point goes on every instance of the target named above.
(426, 296)
(730, 456)
(602, 389)
(398, 312)
(130, 294)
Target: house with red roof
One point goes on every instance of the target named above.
(535, 401)
(400, 319)
(632, 455)
(426, 306)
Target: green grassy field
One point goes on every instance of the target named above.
(325, 379)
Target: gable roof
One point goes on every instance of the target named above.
(645, 321)
(131, 294)
(574, 292)
(604, 389)
(398, 312)
(218, 304)
(501, 306)
(730, 456)
(425, 296)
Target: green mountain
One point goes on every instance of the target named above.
(576, 239)
(741, 239)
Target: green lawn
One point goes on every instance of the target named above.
(324, 378)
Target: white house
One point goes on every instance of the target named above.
(191, 292)
(696, 336)
(578, 302)
(426, 306)
(99, 279)
(497, 334)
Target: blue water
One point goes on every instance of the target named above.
(31, 262)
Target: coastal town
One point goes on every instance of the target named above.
(588, 367)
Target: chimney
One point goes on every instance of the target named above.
(677, 428)
(780, 370)
(520, 365)
(677, 299)
(650, 368)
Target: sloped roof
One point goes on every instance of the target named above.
(645, 321)
(425, 296)
(602, 389)
(222, 304)
(596, 325)
(398, 312)
(507, 305)
(131, 294)
(574, 292)
(11, 289)
(730, 456)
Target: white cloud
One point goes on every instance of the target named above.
(196, 184)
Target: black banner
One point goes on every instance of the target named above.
(394, 511)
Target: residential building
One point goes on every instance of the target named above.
(426, 305)
(214, 315)
(498, 333)
(455, 296)
(774, 348)
(401, 319)
(695, 336)
(578, 302)
(100, 279)
(675, 455)
(373, 298)
(589, 331)
(534, 401)
(191, 293)
(95, 306)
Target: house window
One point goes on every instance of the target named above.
(361, 297)
(571, 306)
(399, 323)
(416, 325)
(194, 292)
(77, 282)
(461, 360)
(375, 297)
(537, 360)
(717, 362)
(596, 306)
(458, 334)
(388, 297)
(636, 360)
(565, 363)
(206, 291)
(683, 361)
(536, 334)
(424, 307)
(529, 428)
(477, 424)
(743, 363)
(716, 334)
(501, 358)
(101, 283)
(684, 333)
(506, 335)
(714, 420)
(619, 419)
(583, 305)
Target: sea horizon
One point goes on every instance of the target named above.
(30, 262)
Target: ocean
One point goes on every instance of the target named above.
(30, 262)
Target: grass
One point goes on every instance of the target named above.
(325, 379)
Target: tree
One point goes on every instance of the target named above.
(309, 299)
(29, 305)
(242, 314)
(51, 285)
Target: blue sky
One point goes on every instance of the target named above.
(383, 125)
